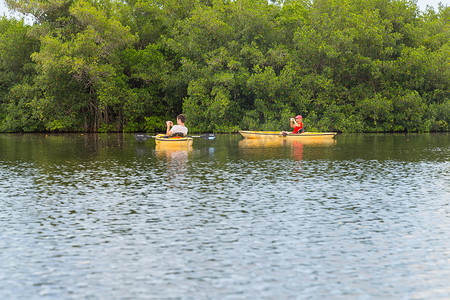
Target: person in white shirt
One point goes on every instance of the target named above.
(177, 129)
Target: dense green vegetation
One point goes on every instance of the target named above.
(105, 65)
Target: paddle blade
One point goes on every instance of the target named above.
(141, 137)
(208, 136)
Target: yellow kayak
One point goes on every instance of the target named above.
(288, 136)
(163, 141)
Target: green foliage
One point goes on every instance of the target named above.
(440, 114)
(410, 112)
(348, 66)
(378, 113)
(154, 124)
(21, 113)
(17, 72)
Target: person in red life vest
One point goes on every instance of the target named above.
(297, 124)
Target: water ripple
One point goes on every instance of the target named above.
(236, 224)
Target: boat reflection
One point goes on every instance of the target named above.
(262, 143)
(280, 147)
(174, 153)
(297, 150)
(297, 155)
(278, 142)
(176, 162)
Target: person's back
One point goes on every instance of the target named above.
(177, 129)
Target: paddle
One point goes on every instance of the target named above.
(143, 137)
(207, 136)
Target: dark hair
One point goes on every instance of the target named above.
(181, 117)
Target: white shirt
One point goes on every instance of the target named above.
(179, 128)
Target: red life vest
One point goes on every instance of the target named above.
(298, 127)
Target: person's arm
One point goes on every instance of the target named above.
(169, 125)
(292, 120)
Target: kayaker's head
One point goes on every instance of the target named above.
(180, 119)
(298, 118)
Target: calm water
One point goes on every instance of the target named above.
(106, 217)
